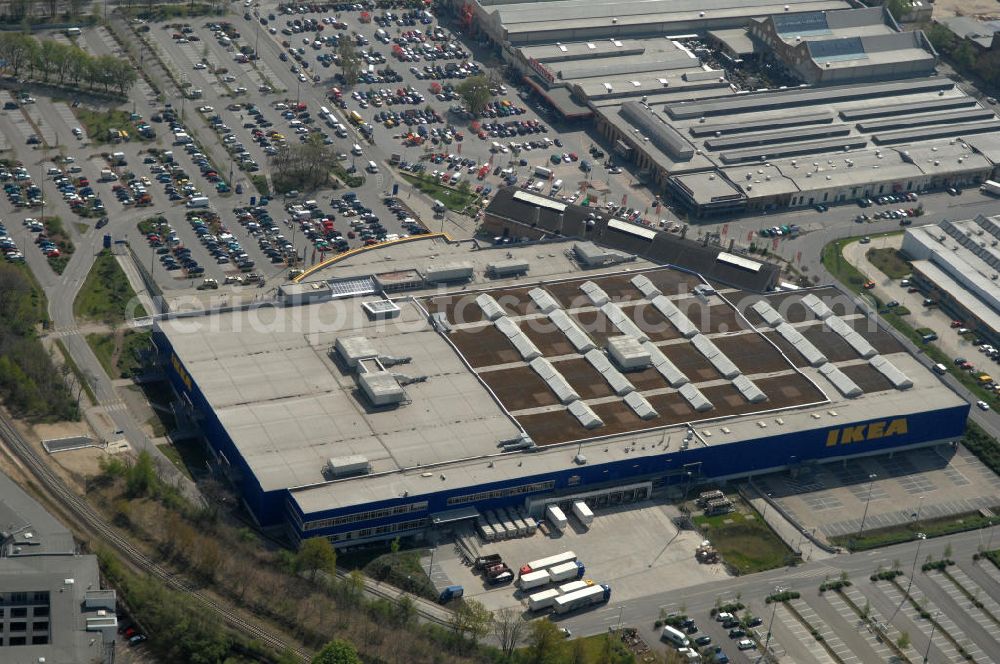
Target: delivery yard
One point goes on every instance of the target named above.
(631, 548)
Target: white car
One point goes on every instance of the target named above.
(745, 644)
(200, 65)
(982, 405)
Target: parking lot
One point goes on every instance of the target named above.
(830, 500)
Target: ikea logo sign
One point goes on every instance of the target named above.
(181, 372)
(863, 432)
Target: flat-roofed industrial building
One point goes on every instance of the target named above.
(569, 378)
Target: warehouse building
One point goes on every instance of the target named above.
(956, 263)
(744, 108)
(590, 374)
(841, 46)
(522, 23)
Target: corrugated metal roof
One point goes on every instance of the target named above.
(768, 313)
(695, 397)
(594, 292)
(618, 382)
(801, 344)
(674, 376)
(907, 108)
(507, 327)
(655, 129)
(525, 347)
(623, 322)
(860, 345)
(568, 326)
(490, 308)
(640, 405)
(675, 316)
(598, 360)
(762, 101)
(587, 417)
(645, 286)
(555, 380)
(765, 123)
(909, 122)
(898, 379)
(778, 136)
(844, 385)
(545, 302)
(749, 389)
(817, 306)
(928, 133)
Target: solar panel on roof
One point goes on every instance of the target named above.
(539, 201)
(804, 23)
(832, 50)
(352, 287)
(632, 229)
(739, 261)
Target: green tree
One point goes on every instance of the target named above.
(904, 640)
(941, 38)
(337, 652)
(471, 618)
(316, 555)
(897, 8)
(964, 56)
(140, 479)
(475, 92)
(544, 643)
(350, 63)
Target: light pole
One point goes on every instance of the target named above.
(927, 651)
(871, 483)
(913, 570)
(767, 502)
(770, 624)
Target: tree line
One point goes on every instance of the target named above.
(965, 57)
(50, 60)
(30, 385)
(18, 11)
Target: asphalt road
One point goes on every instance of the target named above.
(698, 601)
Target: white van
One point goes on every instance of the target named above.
(674, 636)
(495, 147)
(198, 202)
(357, 151)
(557, 185)
(372, 167)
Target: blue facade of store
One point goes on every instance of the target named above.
(865, 437)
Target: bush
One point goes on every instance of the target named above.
(885, 575)
(939, 565)
(783, 596)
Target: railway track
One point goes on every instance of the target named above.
(91, 521)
